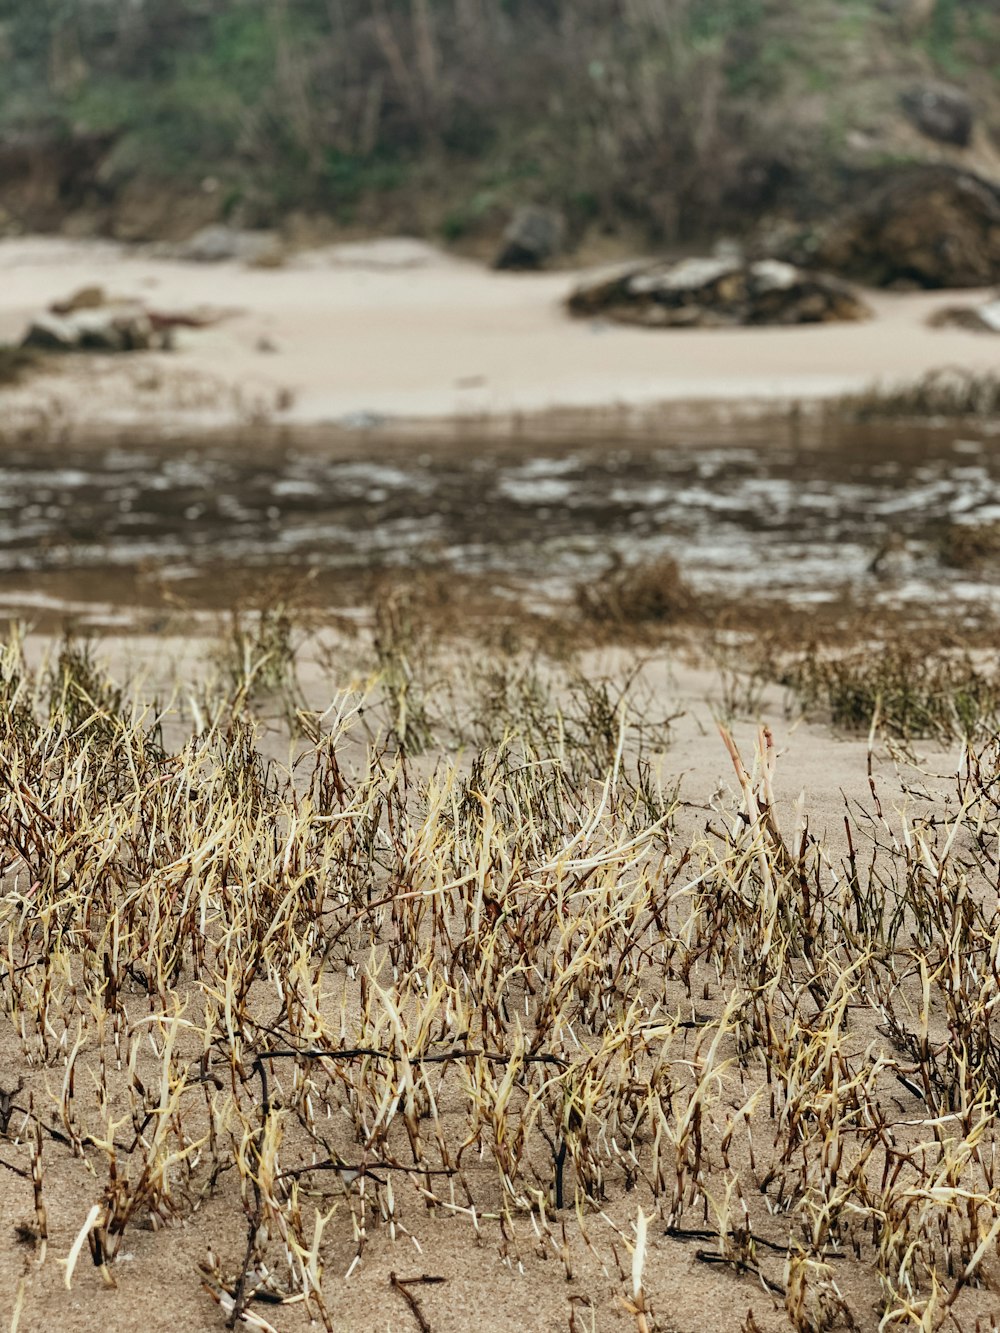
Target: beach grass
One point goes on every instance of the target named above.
(438, 934)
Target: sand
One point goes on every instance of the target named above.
(487, 1284)
(398, 329)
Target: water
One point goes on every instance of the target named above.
(768, 509)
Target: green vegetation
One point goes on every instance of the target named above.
(901, 686)
(672, 116)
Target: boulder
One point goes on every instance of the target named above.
(218, 244)
(977, 318)
(91, 321)
(717, 293)
(534, 236)
(50, 333)
(116, 328)
(932, 226)
(941, 112)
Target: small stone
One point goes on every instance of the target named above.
(534, 236)
(940, 111)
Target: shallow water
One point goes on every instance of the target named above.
(766, 508)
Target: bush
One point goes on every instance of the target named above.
(676, 115)
(654, 593)
(910, 691)
(940, 393)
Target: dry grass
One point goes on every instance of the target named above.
(499, 982)
(16, 363)
(952, 393)
(905, 687)
(653, 593)
(970, 546)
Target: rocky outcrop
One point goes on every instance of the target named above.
(714, 293)
(533, 238)
(940, 111)
(929, 227)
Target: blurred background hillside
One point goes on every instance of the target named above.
(643, 121)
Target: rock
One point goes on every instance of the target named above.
(50, 333)
(534, 236)
(120, 328)
(714, 293)
(690, 275)
(218, 244)
(931, 226)
(91, 321)
(84, 298)
(977, 318)
(96, 332)
(940, 111)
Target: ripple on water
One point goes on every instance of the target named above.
(763, 513)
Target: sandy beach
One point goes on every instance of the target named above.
(667, 883)
(355, 333)
(486, 1276)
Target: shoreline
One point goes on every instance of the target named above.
(397, 337)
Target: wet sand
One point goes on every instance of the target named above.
(396, 329)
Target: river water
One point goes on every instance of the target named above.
(767, 508)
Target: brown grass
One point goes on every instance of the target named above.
(511, 982)
(952, 393)
(654, 593)
(16, 363)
